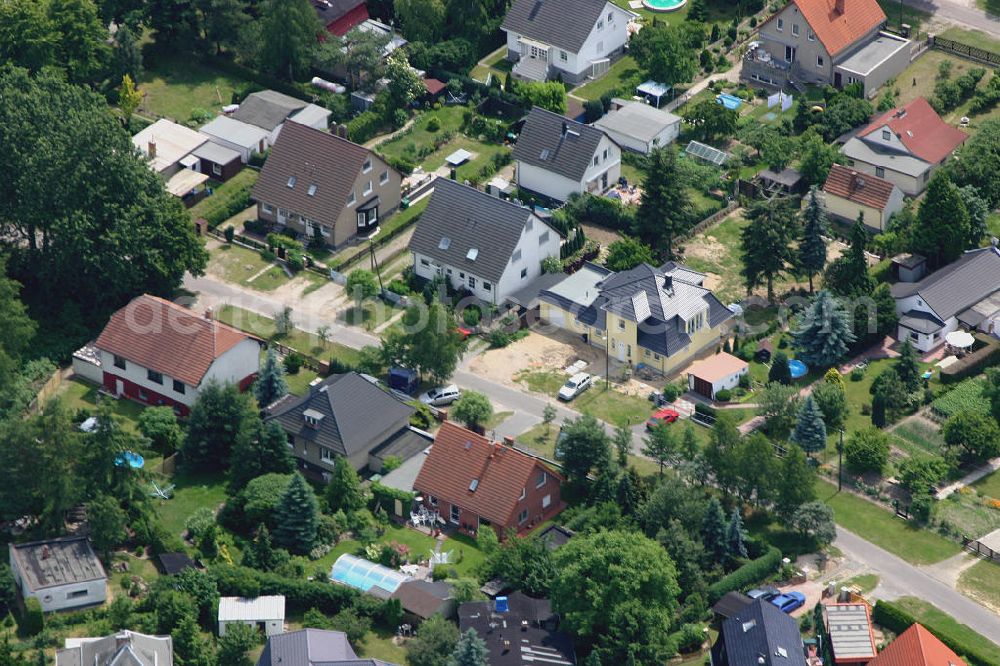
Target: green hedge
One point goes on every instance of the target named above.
(33, 620)
(227, 200)
(385, 497)
(301, 595)
(751, 573)
(972, 364)
(898, 620)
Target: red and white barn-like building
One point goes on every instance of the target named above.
(160, 353)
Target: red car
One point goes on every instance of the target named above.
(464, 332)
(660, 416)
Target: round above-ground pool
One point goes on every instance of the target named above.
(663, 5)
(797, 368)
(130, 458)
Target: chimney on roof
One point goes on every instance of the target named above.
(151, 148)
(208, 314)
(565, 128)
(668, 283)
(46, 553)
(342, 130)
(839, 6)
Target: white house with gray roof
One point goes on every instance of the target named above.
(61, 573)
(556, 157)
(484, 245)
(312, 647)
(269, 109)
(963, 294)
(125, 648)
(244, 138)
(571, 39)
(640, 127)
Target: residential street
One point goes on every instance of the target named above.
(899, 578)
(964, 13)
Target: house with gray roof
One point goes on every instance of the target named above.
(658, 317)
(639, 127)
(484, 245)
(125, 648)
(347, 415)
(556, 157)
(244, 138)
(759, 635)
(964, 294)
(269, 109)
(571, 39)
(61, 573)
(312, 647)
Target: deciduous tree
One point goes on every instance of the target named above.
(660, 445)
(867, 450)
(433, 643)
(815, 520)
(627, 253)
(585, 448)
(832, 402)
(778, 406)
(976, 435)
(222, 419)
(664, 54)
(423, 20)
(107, 524)
(428, 342)
(288, 31)
(474, 409)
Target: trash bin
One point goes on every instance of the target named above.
(405, 203)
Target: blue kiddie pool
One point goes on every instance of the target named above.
(130, 458)
(663, 5)
(797, 368)
(731, 102)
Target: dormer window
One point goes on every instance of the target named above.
(291, 181)
(445, 243)
(600, 25)
(312, 190)
(312, 418)
(472, 254)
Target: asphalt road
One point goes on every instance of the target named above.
(963, 13)
(899, 578)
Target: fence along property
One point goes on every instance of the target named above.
(966, 51)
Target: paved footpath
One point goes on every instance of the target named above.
(899, 578)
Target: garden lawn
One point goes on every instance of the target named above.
(409, 144)
(981, 582)
(306, 343)
(298, 384)
(400, 218)
(468, 558)
(988, 485)
(932, 618)
(612, 406)
(191, 492)
(483, 154)
(879, 526)
(237, 264)
(865, 582)
(976, 38)
(77, 394)
(623, 73)
(925, 69)
(378, 644)
(542, 381)
(175, 86)
(373, 314)
(964, 513)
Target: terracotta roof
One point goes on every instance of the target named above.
(917, 647)
(863, 189)
(836, 30)
(716, 367)
(303, 157)
(921, 130)
(433, 86)
(168, 338)
(460, 456)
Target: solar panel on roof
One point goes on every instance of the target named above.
(707, 153)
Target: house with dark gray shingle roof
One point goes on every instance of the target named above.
(556, 157)
(312, 647)
(759, 635)
(574, 39)
(661, 318)
(347, 415)
(484, 245)
(964, 294)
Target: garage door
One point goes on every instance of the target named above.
(703, 387)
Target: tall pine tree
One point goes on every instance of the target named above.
(848, 275)
(296, 517)
(344, 492)
(270, 384)
(810, 431)
(253, 456)
(943, 228)
(767, 243)
(907, 368)
(824, 333)
(736, 535)
(665, 211)
(812, 247)
(714, 530)
(469, 651)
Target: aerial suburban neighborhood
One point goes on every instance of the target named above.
(500, 332)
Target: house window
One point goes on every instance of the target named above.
(325, 454)
(596, 160)
(456, 514)
(795, 29)
(524, 493)
(886, 135)
(433, 500)
(143, 395)
(424, 262)
(179, 387)
(368, 190)
(216, 169)
(521, 517)
(154, 376)
(645, 352)
(472, 282)
(656, 357)
(524, 273)
(811, 36)
(367, 166)
(542, 478)
(611, 17)
(605, 155)
(351, 199)
(621, 324)
(914, 336)
(781, 25)
(819, 61)
(789, 52)
(546, 501)
(880, 172)
(384, 178)
(516, 257)
(543, 239)
(563, 56)
(487, 286)
(269, 209)
(76, 594)
(119, 362)
(600, 24)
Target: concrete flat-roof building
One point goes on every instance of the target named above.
(850, 629)
(61, 573)
(266, 613)
(640, 127)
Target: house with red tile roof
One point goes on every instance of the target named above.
(917, 647)
(161, 353)
(904, 146)
(339, 16)
(472, 483)
(836, 42)
(848, 194)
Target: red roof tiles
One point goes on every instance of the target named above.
(460, 456)
(917, 647)
(167, 338)
(837, 30)
(921, 130)
(863, 189)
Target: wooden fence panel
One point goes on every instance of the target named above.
(967, 51)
